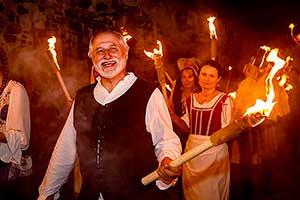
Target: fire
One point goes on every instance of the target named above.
(168, 87)
(267, 49)
(292, 26)
(265, 107)
(232, 94)
(283, 80)
(296, 37)
(125, 34)
(51, 44)
(288, 87)
(156, 52)
(212, 28)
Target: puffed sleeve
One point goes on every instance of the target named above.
(159, 125)
(17, 130)
(61, 162)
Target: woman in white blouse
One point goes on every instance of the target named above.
(207, 176)
(14, 125)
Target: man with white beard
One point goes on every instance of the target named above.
(119, 128)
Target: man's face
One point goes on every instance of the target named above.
(109, 56)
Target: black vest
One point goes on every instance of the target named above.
(114, 148)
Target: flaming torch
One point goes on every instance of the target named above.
(254, 116)
(51, 44)
(213, 37)
(296, 37)
(157, 55)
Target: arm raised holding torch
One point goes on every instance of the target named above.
(51, 42)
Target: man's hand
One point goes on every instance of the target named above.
(167, 173)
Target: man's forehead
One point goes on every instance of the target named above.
(107, 38)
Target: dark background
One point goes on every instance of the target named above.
(181, 26)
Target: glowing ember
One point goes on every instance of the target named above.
(51, 44)
(229, 68)
(212, 28)
(265, 107)
(156, 52)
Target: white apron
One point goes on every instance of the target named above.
(207, 176)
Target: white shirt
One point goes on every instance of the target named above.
(16, 127)
(158, 124)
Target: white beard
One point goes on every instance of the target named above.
(110, 70)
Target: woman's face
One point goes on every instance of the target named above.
(187, 78)
(208, 77)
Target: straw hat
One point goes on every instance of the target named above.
(183, 63)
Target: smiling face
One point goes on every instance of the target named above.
(109, 55)
(208, 77)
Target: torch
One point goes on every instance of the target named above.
(254, 116)
(156, 55)
(51, 43)
(213, 38)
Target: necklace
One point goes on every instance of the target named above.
(206, 98)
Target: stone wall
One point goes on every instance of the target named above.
(25, 26)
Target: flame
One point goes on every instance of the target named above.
(232, 94)
(267, 49)
(168, 87)
(265, 107)
(212, 28)
(156, 52)
(292, 26)
(125, 34)
(289, 59)
(51, 44)
(283, 80)
(229, 68)
(288, 87)
(296, 38)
